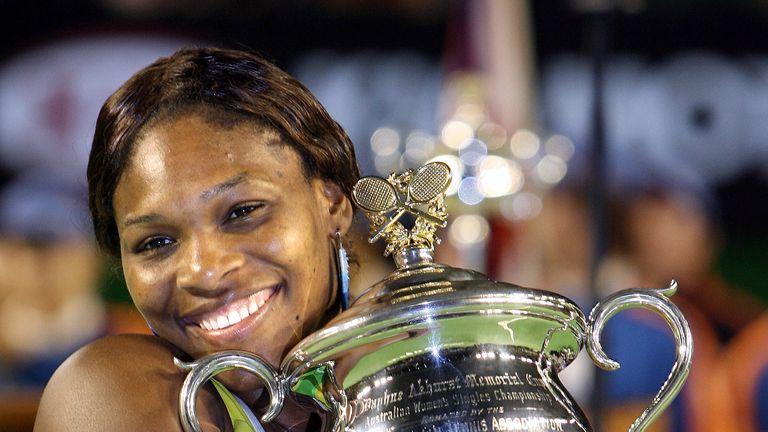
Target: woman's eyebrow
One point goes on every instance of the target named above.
(141, 219)
(224, 186)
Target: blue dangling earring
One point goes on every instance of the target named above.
(342, 261)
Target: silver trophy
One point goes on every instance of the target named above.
(437, 348)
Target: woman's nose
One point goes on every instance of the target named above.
(205, 266)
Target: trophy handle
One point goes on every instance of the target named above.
(338, 401)
(319, 384)
(657, 301)
(205, 368)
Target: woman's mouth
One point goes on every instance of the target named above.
(236, 312)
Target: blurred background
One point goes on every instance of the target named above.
(595, 145)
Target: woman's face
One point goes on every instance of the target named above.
(225, 243)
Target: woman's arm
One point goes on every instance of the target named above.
(121, 383)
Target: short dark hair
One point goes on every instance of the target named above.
(232, 85)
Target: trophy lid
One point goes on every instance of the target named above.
(425, 306)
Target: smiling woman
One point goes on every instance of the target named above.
(220, 183)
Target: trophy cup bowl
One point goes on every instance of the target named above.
(438, 348)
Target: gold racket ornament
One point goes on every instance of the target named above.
(420, 192)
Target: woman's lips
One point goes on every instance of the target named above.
(233, 313)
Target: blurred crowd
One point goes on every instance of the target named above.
(522, 204)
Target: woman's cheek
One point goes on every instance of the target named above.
(146, 295)
(274, 248)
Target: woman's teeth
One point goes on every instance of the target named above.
(236, 312)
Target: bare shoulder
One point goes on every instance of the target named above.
(119, 383)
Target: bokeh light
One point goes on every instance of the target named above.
(493, 134)
(472, 114)
(469, 191)
(419, 147)
(522, 206)
(498, 176)
(469, 229)
(456, 134)
(551, 169)
(560, 146)
(385, 141)
(524, 144)
(473, 152)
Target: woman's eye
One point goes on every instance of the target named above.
(152, 244)
(242, 211)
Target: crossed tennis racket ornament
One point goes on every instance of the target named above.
(420, 193)
(434, 348)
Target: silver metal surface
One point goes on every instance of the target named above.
(655, 300)
(202, 370)
(411, 257)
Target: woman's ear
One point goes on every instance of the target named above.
(339, 208)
